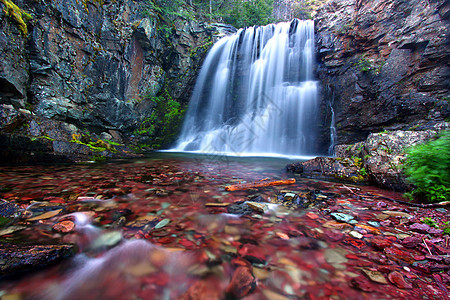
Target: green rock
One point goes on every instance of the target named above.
(342, 217)
(162, 223)
(108, 239)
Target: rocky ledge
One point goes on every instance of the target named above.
(94, 68)
(377, 160)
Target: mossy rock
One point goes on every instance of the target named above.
(19, 16)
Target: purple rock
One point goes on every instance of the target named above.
(420, 227)
(411, 242)
(435, 231)
(381, 204)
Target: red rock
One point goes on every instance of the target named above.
(64, 226)
(388, 268)
(239, 262)
(334, 235)
(187, 243)
(355, 243)
(424, 228)
(411, 242)
(242, 283)
(380, 243)
(362, 284)
(397, 254)
(252, 253)
(352, 256)
(312, 216)
(307, 243)
(397, 279)
(202, 290)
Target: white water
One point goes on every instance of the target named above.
(256, 94)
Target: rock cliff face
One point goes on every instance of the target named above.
(90, 65)
(382, 64)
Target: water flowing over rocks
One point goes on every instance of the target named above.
(256, 94)
(338, 240)
(92, 66)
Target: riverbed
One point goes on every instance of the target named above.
(164, 227)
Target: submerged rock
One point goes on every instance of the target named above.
(242, 283)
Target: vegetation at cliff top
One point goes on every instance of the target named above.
(237, 13)
(427, 167)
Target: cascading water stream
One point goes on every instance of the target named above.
(255, 94)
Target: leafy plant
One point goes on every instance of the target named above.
(445, 226)
(430, 222)
(364, 65)
(427, 167)
(363, 172)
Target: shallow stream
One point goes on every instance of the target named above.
(161, 227)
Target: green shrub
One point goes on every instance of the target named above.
(427, 167)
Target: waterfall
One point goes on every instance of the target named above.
(255, 94)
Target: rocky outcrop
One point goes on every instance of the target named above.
(94, 66)
(378, 160)
(382, 65)
(15, 259)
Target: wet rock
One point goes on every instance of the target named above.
(162, 223)
(253, 253)
(18, 258)
(361, 283)
(411, 242)
(342, 217)
(355, 234)
(239, 209)
(8, 209)
(335, 256)
(46, 215)
(424, 228)
(307, 243)
(380, 242)
(334, 235)
(242, 283)
(64, 226)
(331, 168)
(397, 279)
(202, 290)
(259, 207)
(370, 229)
(143, 221)
(108, 239)
(375, 276)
